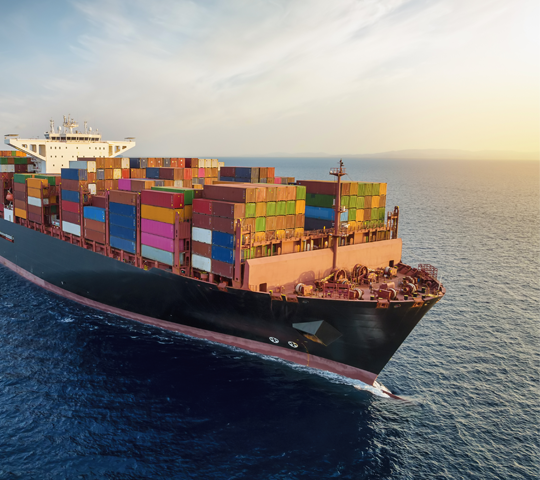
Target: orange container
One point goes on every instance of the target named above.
(300, 206)
(35, 192)
(36, 183)
(19, 212)
(160, 214)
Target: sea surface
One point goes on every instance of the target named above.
(87, 395)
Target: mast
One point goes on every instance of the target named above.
(337, 172)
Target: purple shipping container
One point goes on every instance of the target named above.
(124, 184)
(158, 242)
(157, 228)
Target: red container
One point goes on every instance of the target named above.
(21, 168)
(72, 185)
(19, 195)
(228, 209)
(271, 172)
(94, 225)
(71, 207)
(99, 201)
(71, 217)
(188, 174)
(33, 217)
(228, 171)
(162, 199)
(222, 269)
(126, 173)
(91, 177)
(202, 221)
(202, 205)
(19, 187)
(171, 173)
(140, 185)
(203, 249)
(20, 204)
(123, 197)
(93, 235)
(230, 193)
(35, 210)
(226, 225)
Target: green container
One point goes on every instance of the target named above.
(13, 153)
(251, 210)
(3, 161)
(21, 177)
(189, 194)
(54, 209)
(281, 208)
(291, 207)
(376, 189)
(369, 189)
(359, 202)
(270, 209)
(300, 192)
(382, 214)
(345, 201)
(318, 200)
(20, 161)
(375, 213)
(352, 214)
(361, 189)
(260, 224)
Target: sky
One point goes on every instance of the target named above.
(248, 77)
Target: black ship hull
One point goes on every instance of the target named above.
(352, 338)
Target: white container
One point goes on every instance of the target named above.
(215, 163)
(202, 263)
(72, 228)
(125, 162)
(179, 183)
(201, 235)
(91, 166)
(157, 254)
(36, 202)
(8, 214)
(92, 188)
(7, 168)
(117, 173)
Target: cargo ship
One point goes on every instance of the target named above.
(308, 271)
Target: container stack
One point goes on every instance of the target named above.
(13, 161)
(73, 181)
(19, 194)
(94, 220)
(109, 171)
(42, 199)
(159, 211)
(248, 174)
(123, 220)
(363, 203)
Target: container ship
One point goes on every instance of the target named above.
(308, 271)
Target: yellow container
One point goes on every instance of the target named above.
(298, 232)
(300, 206)
(260, 209)
(34, 192)
(19, 212)
(280, 234)
(36, 183)
(188, 212)
(352, 225)
(160, 214)
(360, 215)
(117, 173)
(375, 201)
(382, 189)
(259, 237)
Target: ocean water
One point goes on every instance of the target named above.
(88, 395)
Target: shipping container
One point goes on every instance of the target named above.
(72, 228)
(123, 197)
(161, 243)
(222, 254)
(122, 221)
(121, 209)
(94, 213)
(158, 255)
(201, 235)
(201, 263)
(223, 239)
(157, 228)
(204, 249)
(95, 225)
(122, 244)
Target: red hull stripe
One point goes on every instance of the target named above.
(300, 358)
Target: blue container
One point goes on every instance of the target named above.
(322, 213)
(152, 172)
(222, 239)
(243, 172)
(227, 179)
(122, 221)
(122, 232)
(222, 254)
(70, 196)
(74, 174)
(95, 213)
(134, 163)
(122, 244)
(121, 209)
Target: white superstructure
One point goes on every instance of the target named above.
(60, 147)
